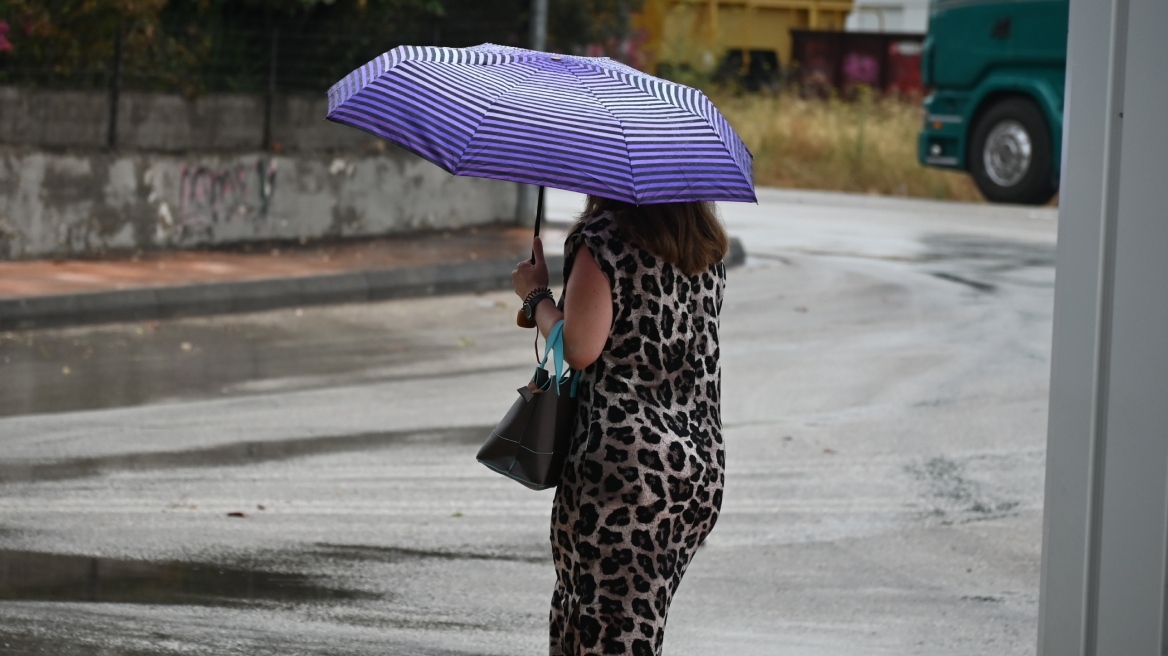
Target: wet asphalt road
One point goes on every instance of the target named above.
(885, 381)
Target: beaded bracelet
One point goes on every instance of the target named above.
(536, 292)
(533, 294)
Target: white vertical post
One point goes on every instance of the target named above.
(539, 21)
(525, 209)
(115, 90)
(1105, 530)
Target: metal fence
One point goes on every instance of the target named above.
(248, 60)
(280, 60)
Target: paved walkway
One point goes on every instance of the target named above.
(38, 293)
(170, 268)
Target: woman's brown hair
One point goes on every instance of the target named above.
(688, 235)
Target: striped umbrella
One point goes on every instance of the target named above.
(583, 124)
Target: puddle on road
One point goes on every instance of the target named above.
(987, 259)
(123, 365)
(35, 576)
(1005, 253)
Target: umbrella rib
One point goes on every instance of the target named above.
(679, 103)
(625, 137)
(487, 110)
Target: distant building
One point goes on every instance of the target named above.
(733, 40)
(903, 16)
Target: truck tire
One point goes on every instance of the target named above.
(1010, 154)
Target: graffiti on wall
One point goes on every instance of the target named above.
(209, 196)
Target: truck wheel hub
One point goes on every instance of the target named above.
(1007, 153)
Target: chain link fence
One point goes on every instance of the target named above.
(285, 59)
(292, 60)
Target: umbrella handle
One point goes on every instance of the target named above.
(538, 217)
(520, 319)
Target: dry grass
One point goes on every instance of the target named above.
(866, 146)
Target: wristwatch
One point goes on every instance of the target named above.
(533, 300)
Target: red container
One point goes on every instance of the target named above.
(904, 68)
(883, 61)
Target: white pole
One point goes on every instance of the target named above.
(539, 18)
(525, 208)
(1105, 532)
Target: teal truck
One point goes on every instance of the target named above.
(996, 71)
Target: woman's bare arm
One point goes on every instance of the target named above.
(587, 311)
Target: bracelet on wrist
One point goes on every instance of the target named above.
(535, 292)
(533, 300)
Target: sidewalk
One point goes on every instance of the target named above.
(43, 293)
(40, 293)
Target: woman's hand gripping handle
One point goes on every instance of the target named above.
(528, 276)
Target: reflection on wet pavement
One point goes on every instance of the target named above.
(234, 454)
(986, 262)
(1006, 252)
(363, 552)
(122, 365)
(33, 576)
(979, 286)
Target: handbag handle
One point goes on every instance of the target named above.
(555, 346)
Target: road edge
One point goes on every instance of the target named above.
(151, 303)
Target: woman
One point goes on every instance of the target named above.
(642, 485)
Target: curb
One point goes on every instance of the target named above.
(143, 304)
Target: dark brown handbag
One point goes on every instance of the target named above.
(530, 443)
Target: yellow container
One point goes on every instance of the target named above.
(703, 34)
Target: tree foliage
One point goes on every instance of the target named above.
(206, 45)
(71, 37)
(573, 25)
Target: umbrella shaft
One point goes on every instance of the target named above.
(538, 217)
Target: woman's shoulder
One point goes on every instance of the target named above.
(600, 226)
(602, 234)
(602, 237)
(599, 233)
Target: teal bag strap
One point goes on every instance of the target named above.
(555, 338)
(555, 344)
(555, 347)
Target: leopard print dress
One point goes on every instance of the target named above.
(642, 485)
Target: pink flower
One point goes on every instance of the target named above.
(5, 44)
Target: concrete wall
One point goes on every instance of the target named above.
(55, 204)
(189, 172)
(170, 123)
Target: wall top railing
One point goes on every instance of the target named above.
(268, 64)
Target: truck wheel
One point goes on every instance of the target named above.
(1010, 154)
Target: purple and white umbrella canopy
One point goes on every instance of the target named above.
(583, 124)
